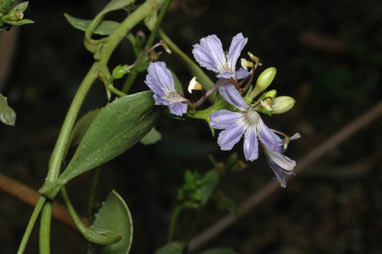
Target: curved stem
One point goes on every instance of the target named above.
(31, 223)
(174, 218)
(46, 218)
(93, 190)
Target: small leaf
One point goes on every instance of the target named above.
(178, 85)
(106, 27)
(209, 183)
(82, 126)
(220, 250)
(151, 19)
(152, 137)
(21, 6)
(171, 248)
(7, 114)
(229, 204)
(117, 127)
(114, 215)
(114, 5)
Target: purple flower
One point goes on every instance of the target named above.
(248, 122)
(210, 55)
(160, 80)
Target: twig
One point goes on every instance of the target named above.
(30, 196)
(253, 200)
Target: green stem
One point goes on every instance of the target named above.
(174, 218)
(154, 32)
(80, 225)
(199, 213)
(116, 91)
(193, 67)
(130, 80)
(93, 190)
(46, 218)
(134, 72)
(64, 136)
(31, 223)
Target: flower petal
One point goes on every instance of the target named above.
(279, 159)
(226, 75)
(268, 138)
(229, 92)
(242, 73)
(209, 53)
(251, 150)
(237, 45)
(159, 77)
(230, 136)
(279, 173)
(159, 100)
(178, 108)
(222, 119)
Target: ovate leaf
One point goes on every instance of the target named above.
(151, 137)
(209, 184)
(114, 215)
(7, 114)
(106, 27)
(171, 248)
(117, 127)
(82, 126)
(220, 250)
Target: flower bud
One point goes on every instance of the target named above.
(120, 71)
(265, 78)
(271, 94)
(282, 104)
(13, 16)
(194, 85)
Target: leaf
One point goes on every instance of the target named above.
(114, 215)
(229, 204)
(220, 250)
(151, 137)
(82, 126)
(178, 85)
(209, 184)
(114, 5)
(7, 114)
(117, 127)
(171, 248)
(151, 19)
(21, 6)
(106, 27)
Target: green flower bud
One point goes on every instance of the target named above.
(282, 104)
(13, 15)
(265, 78)
(120, 71)
(271, 94)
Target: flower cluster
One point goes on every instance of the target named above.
(243, 119)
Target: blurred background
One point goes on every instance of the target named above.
(329, 58)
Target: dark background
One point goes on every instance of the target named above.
(329, 57)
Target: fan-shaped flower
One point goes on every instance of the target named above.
(210, 55)
(160, 80)
(248, 122)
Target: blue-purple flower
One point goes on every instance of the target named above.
(210, 55)
(248, 122)
(160, 80)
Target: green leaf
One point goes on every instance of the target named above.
(82, 126)
(178, 85)
(21, 6)
(229, 204)
(114, 215)
(209, 183)
(19, 23)
(7, 114)
(117, 127)
(114, 5)
(220, 250)
(152, 137)
(106, 27)
(171, 248)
